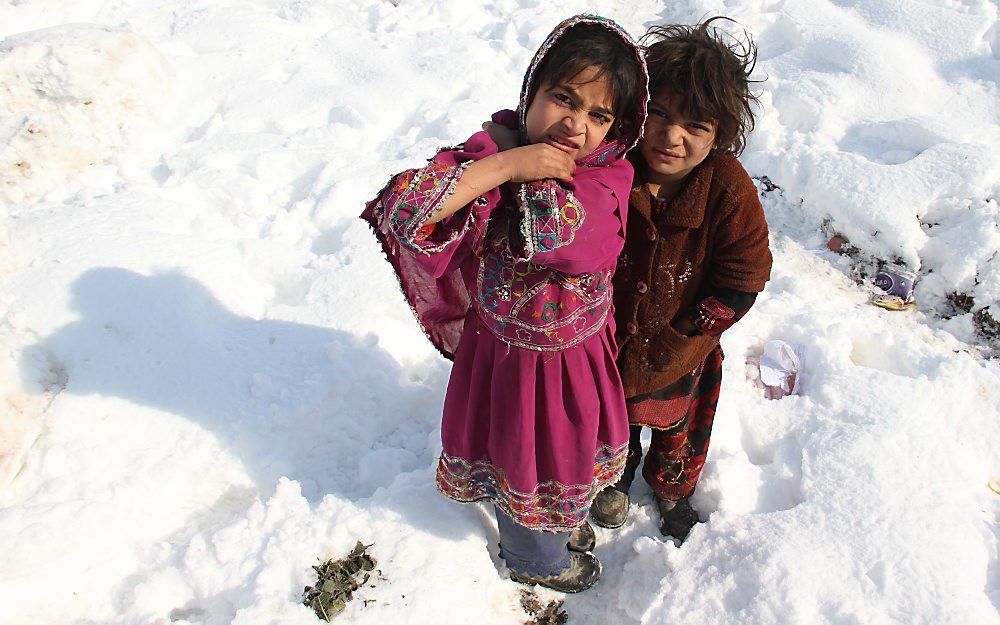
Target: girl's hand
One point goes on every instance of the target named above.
(537, 162)
(504, 137)
(685, 325)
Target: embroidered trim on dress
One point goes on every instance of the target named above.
(501, 279)
(419, 194)
(545, 223)
(551, 506)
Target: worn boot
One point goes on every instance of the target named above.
(610, 508)
(676, 517)
(583, 572)
(582, 539)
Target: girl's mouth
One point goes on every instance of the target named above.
(666, 154)
(566, 145)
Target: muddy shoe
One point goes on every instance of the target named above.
(582, 539)
(610, 508)
(676, 517)
(583, 572)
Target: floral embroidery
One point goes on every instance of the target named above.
(547, 223)
(550, 506)
(529, 306)
(672, 280)
(414, 196)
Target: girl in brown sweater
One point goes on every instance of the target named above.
(695, 257)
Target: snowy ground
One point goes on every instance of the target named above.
(210, 381)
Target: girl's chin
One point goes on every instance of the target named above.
(662, 170)
(659, 173)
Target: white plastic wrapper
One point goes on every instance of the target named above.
(776, 370)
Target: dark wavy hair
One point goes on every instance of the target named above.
(593, 45)
(708, 72)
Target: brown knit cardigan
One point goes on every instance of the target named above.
(712, 234)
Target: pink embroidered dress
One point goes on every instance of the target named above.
(516, 288)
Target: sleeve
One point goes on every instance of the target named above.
(741, 259)
(721, 309)
(402, 208)
(574, 227)
(417, 194)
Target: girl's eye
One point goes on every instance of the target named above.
(699, 127)
(562, 98)
(600, 119)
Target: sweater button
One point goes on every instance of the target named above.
(650, 234)
(641, 287)
(631, 328)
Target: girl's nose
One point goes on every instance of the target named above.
(576, 122)
(673, 134)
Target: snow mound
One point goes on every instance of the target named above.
(72, 99)
(858, 121)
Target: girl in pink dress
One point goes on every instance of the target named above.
(506, 259)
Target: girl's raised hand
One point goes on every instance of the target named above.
(504, 137)
(537, 162)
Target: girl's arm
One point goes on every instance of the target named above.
(740, 266)
(504, 137)
(439, 212)
(521, 164)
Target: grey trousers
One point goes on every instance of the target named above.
(532, 552)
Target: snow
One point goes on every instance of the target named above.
(61, 124)
(211, 381)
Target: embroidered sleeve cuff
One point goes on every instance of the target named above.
(713, 317)
(418, 194)
(550, 216)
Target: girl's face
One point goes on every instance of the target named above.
(574, 115)
(673, 143)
